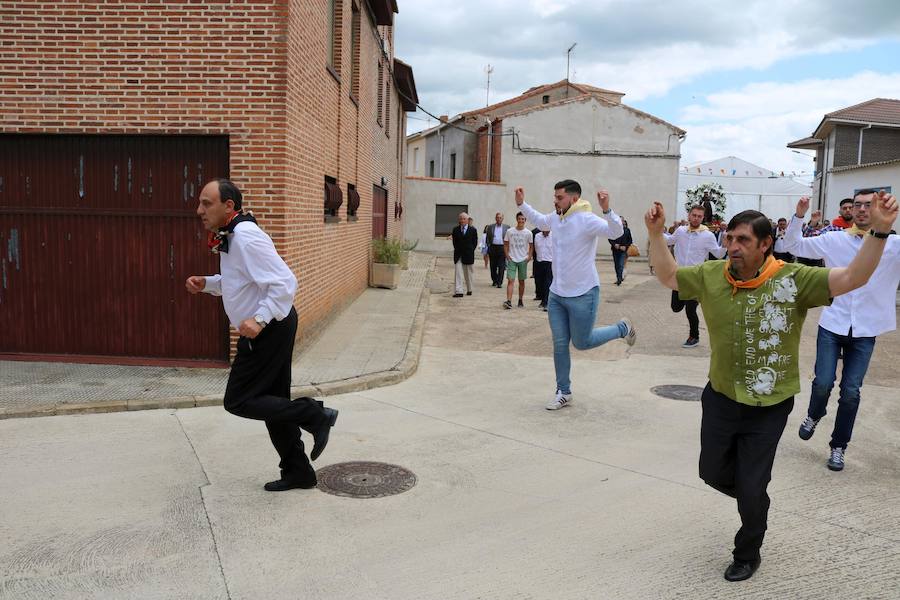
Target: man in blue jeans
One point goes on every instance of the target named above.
(575, 291)
(848, 327)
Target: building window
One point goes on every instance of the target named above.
(380, 119)
(352, 202)
(387, 105)
(333, 200)
(431, 168)
(335, 8)
(354, 52)
(415, 160)
(545, 100)
(453, 165)
(446, 217)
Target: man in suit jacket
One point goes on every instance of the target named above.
(495, 234)
(465, 240)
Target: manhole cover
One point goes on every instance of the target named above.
(364, 479)
(678, 392)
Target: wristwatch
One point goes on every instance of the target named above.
(880, 236)
(261, 321)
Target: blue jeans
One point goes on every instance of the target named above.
(572, 319)
(856, 354)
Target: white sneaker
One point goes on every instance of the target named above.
(559, 401)
(631, 334)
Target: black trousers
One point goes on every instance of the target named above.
(497, 258)
(737, 450)
(543, 277)
(259, 387)
(690, 309)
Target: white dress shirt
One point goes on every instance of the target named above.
(543, 247)
(498, 235)
(254, 279)
(575, 247)
(869, 310)
(692, 247)
(780, 244)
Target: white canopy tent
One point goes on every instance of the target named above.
(747, 186)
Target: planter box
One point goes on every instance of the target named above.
(404, 259)
(385, 276)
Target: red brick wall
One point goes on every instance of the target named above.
(254, 70)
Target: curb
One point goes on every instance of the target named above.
(399, 372)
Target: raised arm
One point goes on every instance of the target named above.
(795, 243)
(846, 279)
(540, 220)
(661, 259)
(610, 225)
(712, 245)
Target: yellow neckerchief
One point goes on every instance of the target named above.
(854, 230)
(580, 205)
(768, 270)
(699, 228)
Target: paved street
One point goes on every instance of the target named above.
(599, 500)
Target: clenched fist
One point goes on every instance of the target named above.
(195, 284)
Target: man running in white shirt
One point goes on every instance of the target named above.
(575, 291)
(693, 243)
(849, 326)
(257, 289)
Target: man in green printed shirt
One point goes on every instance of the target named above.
(754, 307)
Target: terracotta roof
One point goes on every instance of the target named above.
(805, 143)
(587, 96)
(540, 89)
(878, 110)
(863, 166)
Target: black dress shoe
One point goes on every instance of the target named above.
(468, 293)
(320, 437)
(290, 483)
(457, 295)
(740, 570)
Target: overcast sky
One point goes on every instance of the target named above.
(743, 78)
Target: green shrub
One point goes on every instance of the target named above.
(387, 250)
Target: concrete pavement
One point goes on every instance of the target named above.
(597, 501)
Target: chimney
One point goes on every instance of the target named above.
(443, 118)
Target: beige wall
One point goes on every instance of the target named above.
(421, 195)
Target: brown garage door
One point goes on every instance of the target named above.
(97, 235)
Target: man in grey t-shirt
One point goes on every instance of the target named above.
(518, 246)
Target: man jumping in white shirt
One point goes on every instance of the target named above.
(575, 291)
(693, 242)
(848, 327)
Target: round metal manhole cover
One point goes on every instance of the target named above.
(690, 393)
(364, 479)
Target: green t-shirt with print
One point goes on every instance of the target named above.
(754, 334)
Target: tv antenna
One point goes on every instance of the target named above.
(488, 70)
(568, 52)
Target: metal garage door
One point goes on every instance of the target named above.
(97, 235)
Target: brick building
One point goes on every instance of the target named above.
(856, 147)
(113, 114)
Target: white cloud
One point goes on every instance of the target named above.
(755, 122)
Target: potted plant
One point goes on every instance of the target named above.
(405, 248)
(385, 263)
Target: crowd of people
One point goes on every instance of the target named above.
(772, 273)
(754, 304)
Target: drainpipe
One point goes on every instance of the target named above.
(859, 153)
(441, 173)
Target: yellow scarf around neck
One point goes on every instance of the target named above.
(854, 230)
(580, 205)
(768, 270)
(700, 227)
